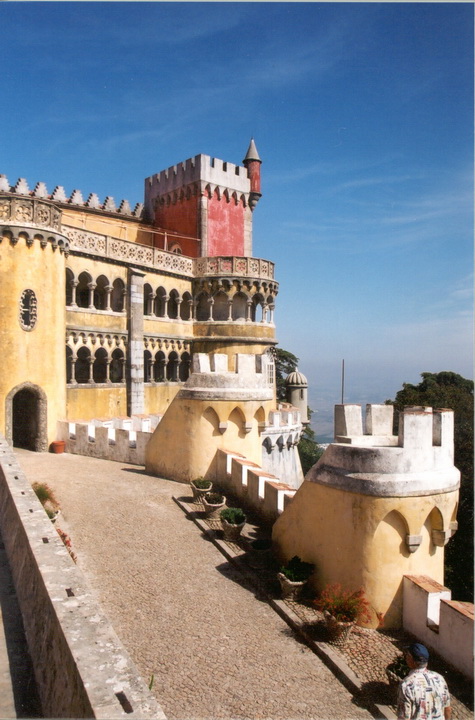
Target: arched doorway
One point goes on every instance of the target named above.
(26, 417)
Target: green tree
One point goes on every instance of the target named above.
(309, 450)
(450, 390)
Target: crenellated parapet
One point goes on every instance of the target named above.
(75, 199)
(196, 176)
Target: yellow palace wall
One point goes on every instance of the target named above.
(359, 541)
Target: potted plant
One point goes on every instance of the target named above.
(47, 498)
(213, 502)
(200, 487)
(293, 576)
(341, 609)
(232, 522)
(397, 670)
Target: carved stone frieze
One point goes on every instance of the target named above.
(29, 211)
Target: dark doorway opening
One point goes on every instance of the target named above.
(25, 420)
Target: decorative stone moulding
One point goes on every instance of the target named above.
(413, 542)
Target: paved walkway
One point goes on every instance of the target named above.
(185, 615)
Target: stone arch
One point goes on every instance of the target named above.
(267, 444)
(173, 304)
(185, 306)
(82, 290)
(26, 417)
(210, 418)
(172, 367)
(221, 306)
(202, 307)
(260, 415)
(69, 286)
(391, 532)
(236, 422)
(239, 306)
(257, 302)
(184, 367)
(82, 364)
(159, 366)
(100, 293)
(160, 302)
(117, 366)
(147, 366)
(148, 298)
(99, 367)
(69, 364)
(118, 295)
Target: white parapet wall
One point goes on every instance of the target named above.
(443, 624)
(82, 670)
(123, 439)
(253, 487)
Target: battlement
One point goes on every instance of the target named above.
(419, 427)
(219, 363)
(75, 199)
(201, 169)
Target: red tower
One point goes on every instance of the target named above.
(206, 199)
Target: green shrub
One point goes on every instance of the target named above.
(234, 516)
(297, 570)
(201, 483)
(399, 667)
(214, 498)
(44, 494)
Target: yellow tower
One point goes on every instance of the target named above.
(377, 506)
(32, 319)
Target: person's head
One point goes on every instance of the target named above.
(417, 655)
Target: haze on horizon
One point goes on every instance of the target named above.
(362, 114)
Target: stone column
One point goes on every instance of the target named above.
(134, 368)
(74, 284)
(92, 287)
(108, 289)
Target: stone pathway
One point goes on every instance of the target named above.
(186, 615)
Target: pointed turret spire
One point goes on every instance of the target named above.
(252, 163)
(252, 153)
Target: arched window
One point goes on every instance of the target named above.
(82, 290)
(184, 369)
(159, 367)
(118, 295)
(202, 308)
(172, 367)
(175, 248)
(185, 307)
(69, 286)
(147, 366)
(239, 306)
(147, 299)
(173, 305)
(257, 302)
(160, 302)
(82, 365)
(100, 293)
(221, 307)
(116, 373)
(99, 370)
(69, 364)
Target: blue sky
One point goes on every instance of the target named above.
(362, 114)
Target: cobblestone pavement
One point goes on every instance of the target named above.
(185, 614)
(366, 652)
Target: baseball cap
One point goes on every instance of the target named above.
(418, 651)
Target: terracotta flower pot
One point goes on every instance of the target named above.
(57, 446)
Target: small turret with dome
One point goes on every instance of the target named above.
(296, 387)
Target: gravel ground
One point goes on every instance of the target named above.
(185, 615)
